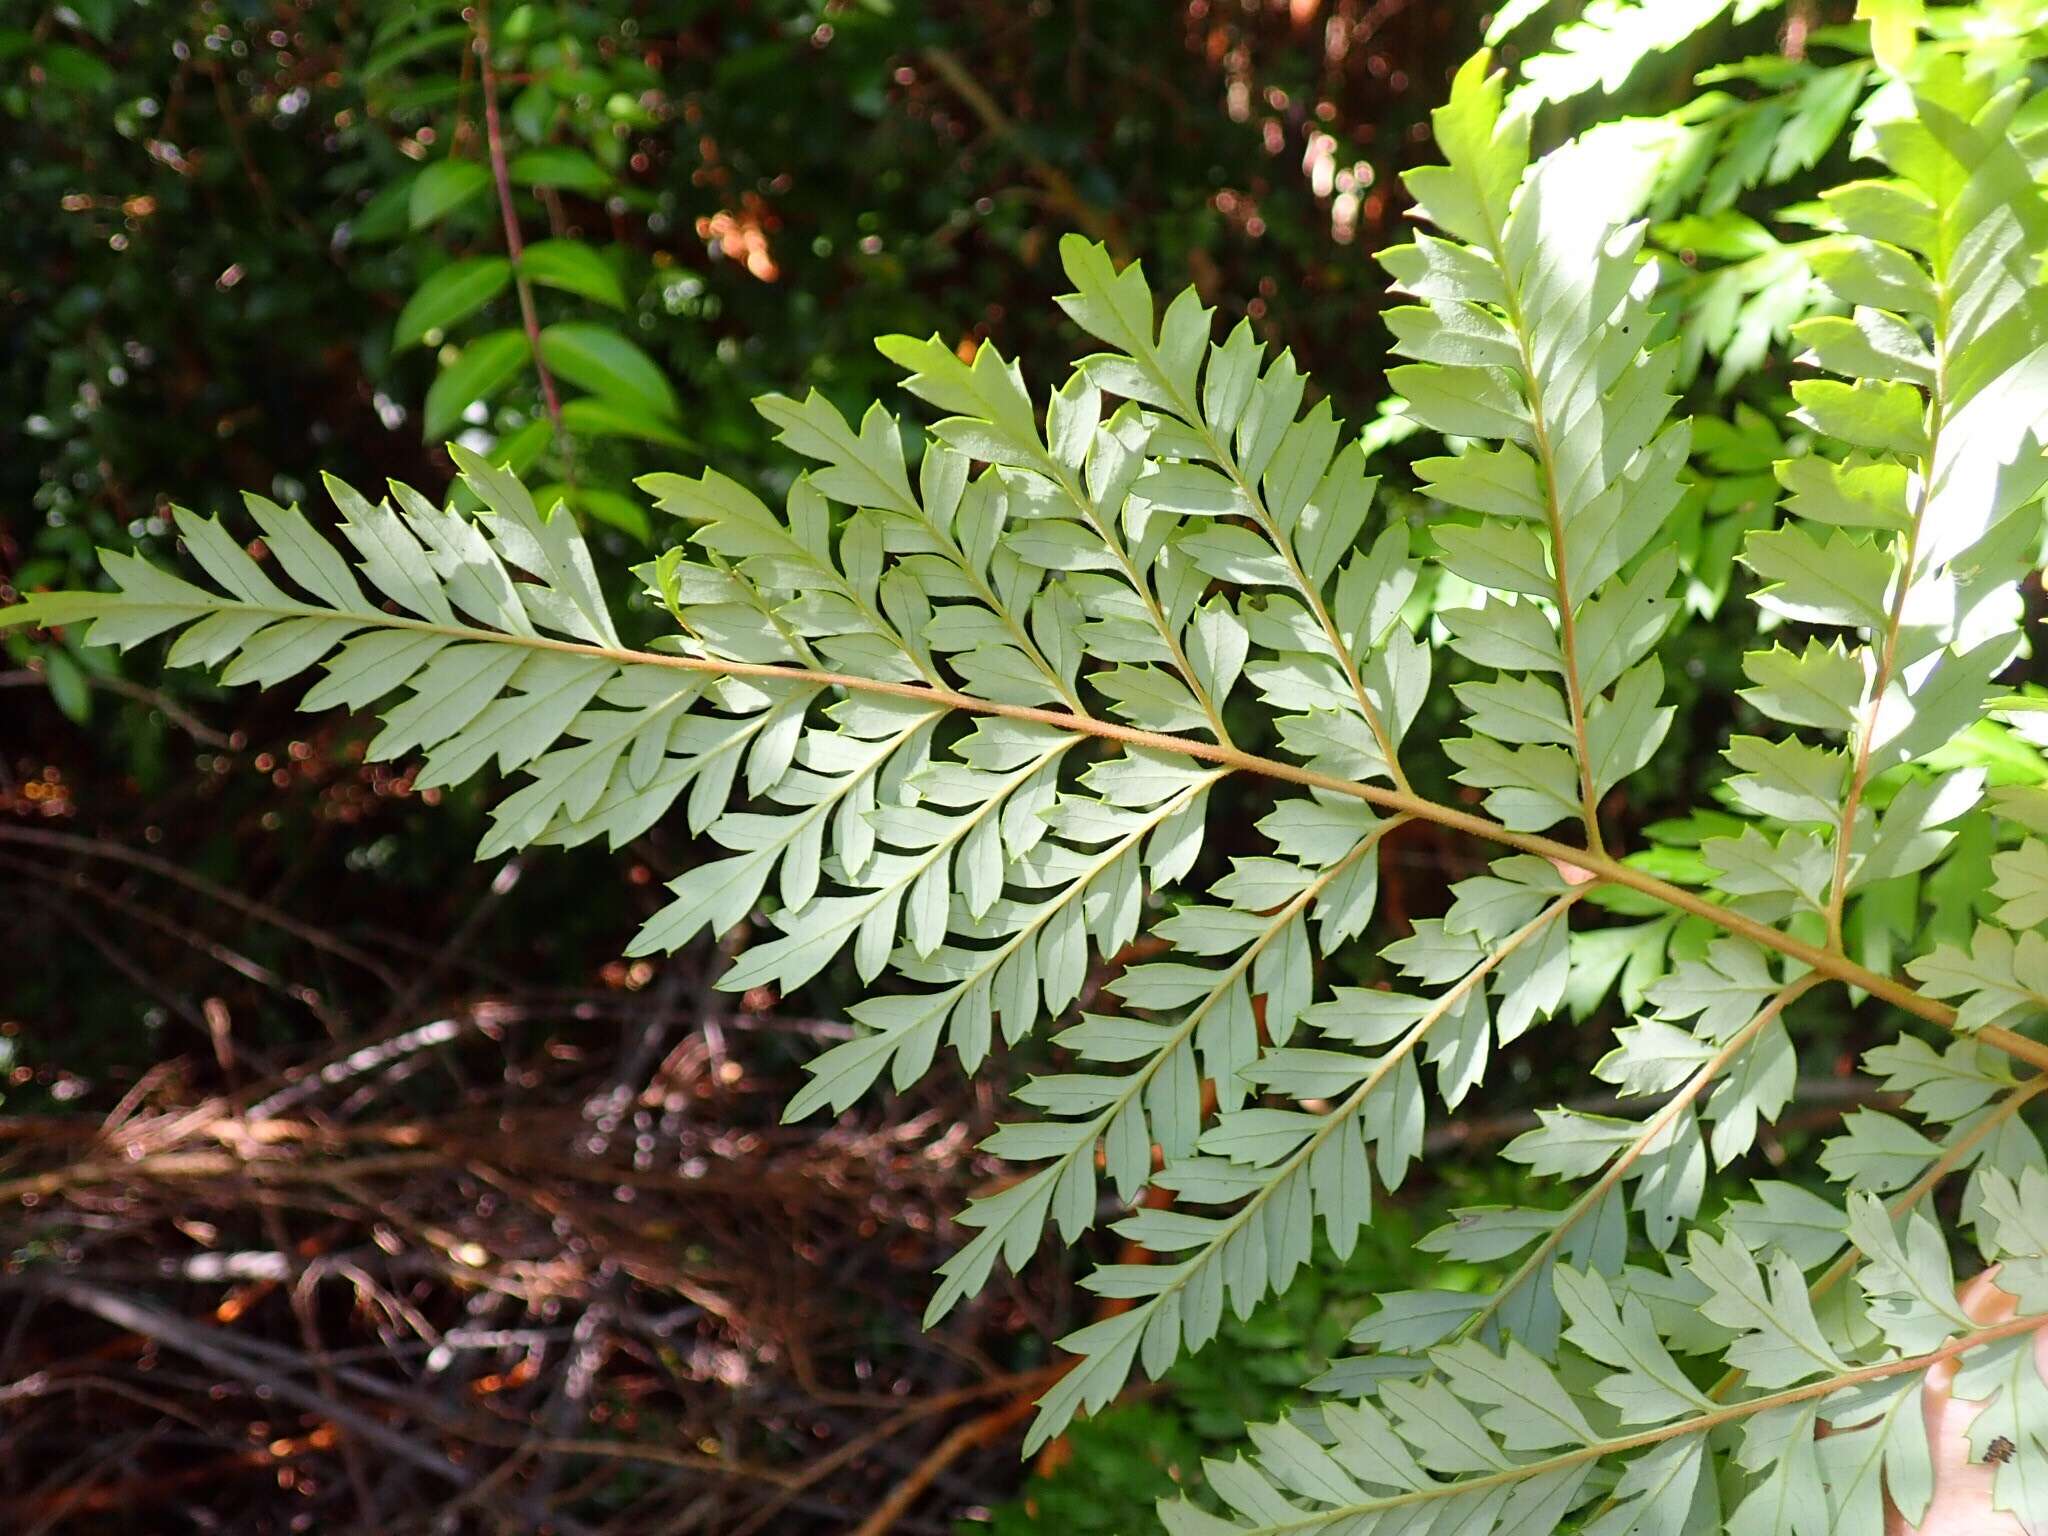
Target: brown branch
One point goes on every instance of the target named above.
(197, 1343)
(985, 1430)
(515, 244)
(97, 848)
(191, 725)
(1060, 190)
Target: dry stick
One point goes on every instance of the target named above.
(191, 1340)
(238, 135)
(1062, 192)
(70, 1486)
(976, 1432)
(212, 948)
(115, 956)
(1024, 1385)
(209, 1165)
(515, 244)
(190, 724)
(318, 1355)
(447, 955)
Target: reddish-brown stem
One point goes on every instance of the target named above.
(515, 244)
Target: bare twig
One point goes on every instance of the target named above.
(1060, 189)
(98, 848)
(201, 1344)
(184, 720)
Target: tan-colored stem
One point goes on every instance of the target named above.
(1602, 868)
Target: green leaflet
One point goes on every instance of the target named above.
(1601, 50)
(1544, 353)
(449, 296)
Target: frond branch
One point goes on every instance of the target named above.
(1698, 1424)
(1311, 594)
(1553, 519)
(60, 608)
(1064, 478)
(1059, 1399)
(1702, 1079)
(1952, 1157)
(1888, 651)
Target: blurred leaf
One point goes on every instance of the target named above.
(608, 507)
(443, 187)
(73, 69)
(386, 215)
(556, 165)
(605, 363)
(575, 268)
(518, 451)
(593, 416)
(532, 111)
(388, 58)
(452, 294)
(69, 690)
(485, 366)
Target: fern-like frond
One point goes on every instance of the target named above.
(1284, 1171)
(962, 716)
(1612, 38)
